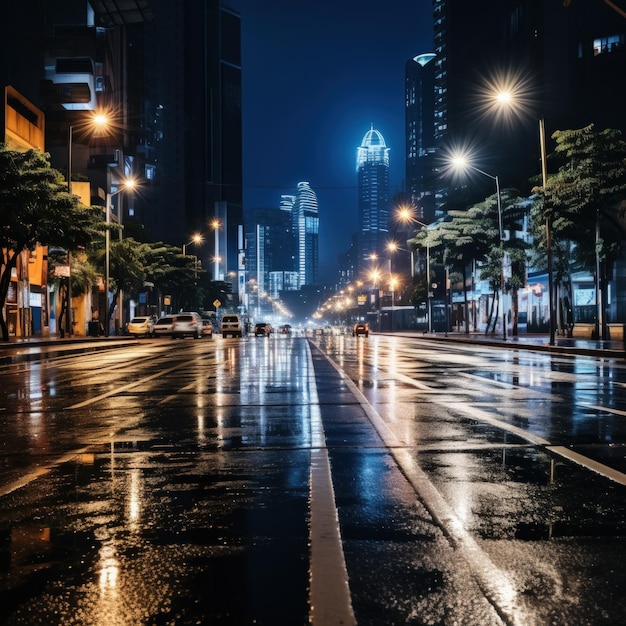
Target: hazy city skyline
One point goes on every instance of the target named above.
(315, 78)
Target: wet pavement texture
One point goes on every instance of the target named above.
(170, 483)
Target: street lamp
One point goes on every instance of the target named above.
(196, 239)
(512, 99)
(215, 225)
(97, 121)
(460, 161)
(127, 184)
(406, 214)
(393, 283)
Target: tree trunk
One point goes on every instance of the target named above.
(5, 281)
(515, 307)
(465, 301)
(111, 309)
(63, 313)
(491, 313)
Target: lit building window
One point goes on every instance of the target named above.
(603, 45)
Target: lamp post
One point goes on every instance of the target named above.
(544, 181)
(196, 239)
(215, 225)
(405, 214)
(128, 184)
(513, 100)
(461, 162)
(98, 121)
(68, 312)
(393, 283)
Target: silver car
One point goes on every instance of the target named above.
(187, 325)
(163, 326)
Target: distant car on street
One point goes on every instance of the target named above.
(231, 325)
(361, 328)
(285, 329)
(187, 324)
(207, 328)
(163, 326)
(141, 326)
(262, 329)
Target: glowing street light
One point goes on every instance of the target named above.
(196, 239)
(461, 162)
(95, 122)
(125, 185)
(215, 225)
(406, 214)
(509, 100)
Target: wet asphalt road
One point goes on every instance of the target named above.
(343, 480)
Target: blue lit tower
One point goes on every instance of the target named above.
(306, 225)
(372, 166)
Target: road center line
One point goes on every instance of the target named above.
(329, 594)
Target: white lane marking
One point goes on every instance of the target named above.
(604, 409)
(484, 416)
(329, 593)
(493, 582)
(594, 466)
(22, 481)
(123, 388)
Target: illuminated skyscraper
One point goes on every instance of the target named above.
(306, 225)
(420, 134)
(372, 166)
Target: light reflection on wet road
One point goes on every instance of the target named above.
(171, 483)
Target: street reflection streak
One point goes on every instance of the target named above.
(109, 570)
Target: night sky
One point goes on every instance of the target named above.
(316, 75)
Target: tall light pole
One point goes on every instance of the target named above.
(461, 162)
(99, 120)
(513, 100)
(215, 225)
(544, 180)
(68, 312)
(128, 184)
(196, 239)
(406, 214)
(393, 283)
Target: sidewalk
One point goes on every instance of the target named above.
(537, 342)
(18, 350)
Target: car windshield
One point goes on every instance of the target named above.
(165, 320)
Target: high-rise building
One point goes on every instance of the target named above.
(372, 166)
(420, 135)
(271, 250)
(170, 73)
(566, 61)
(193, 54)
(306, 219)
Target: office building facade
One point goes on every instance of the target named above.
(372, 166)
(306, 222)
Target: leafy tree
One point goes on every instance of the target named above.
(173, 273)
(586, 197)
(35, 208)
(474, 235)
